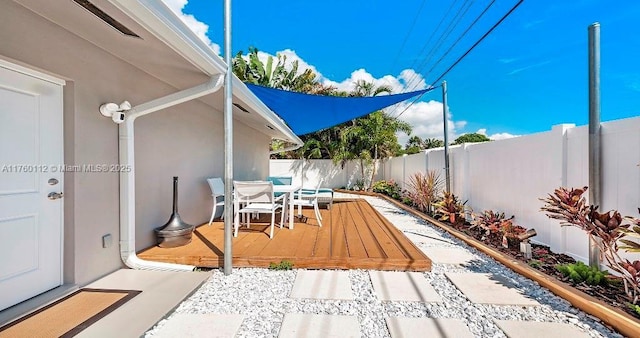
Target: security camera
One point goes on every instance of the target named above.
(116, 112)
(118, 117)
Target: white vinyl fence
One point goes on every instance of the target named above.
(512, 175)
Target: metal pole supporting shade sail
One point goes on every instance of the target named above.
(228, 141)
(445, 112)
(594, 131)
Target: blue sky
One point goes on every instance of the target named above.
(529, 74)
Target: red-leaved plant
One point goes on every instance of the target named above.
(496, 225)
(604, 229)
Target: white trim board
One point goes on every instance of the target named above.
(31, 72)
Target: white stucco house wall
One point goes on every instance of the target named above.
(59, 62)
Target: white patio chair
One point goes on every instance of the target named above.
(258, 198)
(308, 199)
(280, 180)
(217, 192)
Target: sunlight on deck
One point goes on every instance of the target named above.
(354, 236)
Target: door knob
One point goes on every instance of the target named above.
(54, 195)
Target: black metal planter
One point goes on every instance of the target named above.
(175, 232)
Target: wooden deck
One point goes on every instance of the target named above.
(353, 236)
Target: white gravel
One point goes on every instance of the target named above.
(262, 295)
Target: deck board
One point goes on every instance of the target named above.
(353, 236)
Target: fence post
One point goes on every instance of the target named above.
(558, 234)
(426, 160)
(466, 172)
(404, 171)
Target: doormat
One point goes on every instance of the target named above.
(68, 316)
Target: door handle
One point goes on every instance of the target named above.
(55, 195)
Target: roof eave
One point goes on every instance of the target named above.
(159, 20)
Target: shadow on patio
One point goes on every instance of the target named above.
(354, 236)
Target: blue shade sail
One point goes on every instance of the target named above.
(307, 113)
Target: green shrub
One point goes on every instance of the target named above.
(579, 272)
(283, 265)
(535, 263)
(635, 308)
(406, 201)
(389, 188)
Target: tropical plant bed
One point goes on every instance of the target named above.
(609, 303)
(546, 261)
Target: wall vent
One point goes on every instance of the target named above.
(241, 107)
(106, 18)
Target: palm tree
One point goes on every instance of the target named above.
(373, 137)
(251, 69)
(430, 143)
(414, 145)
(363, 88)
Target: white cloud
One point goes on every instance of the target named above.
(496, 136)
(424, 117)
(408, 80)
(198, 27)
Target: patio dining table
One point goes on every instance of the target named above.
(289, 190)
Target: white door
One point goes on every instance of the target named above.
(30, 153)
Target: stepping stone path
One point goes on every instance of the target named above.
(522, 329)
(320, 284)
(403, 286)
(431, 238)
(427, 327)
(319, 326)
(448, 255)
(488, 289)
(201, 325)
(465, 295)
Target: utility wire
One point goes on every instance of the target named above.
(461, 37)
(412, 102)
(468, 51)
(413, 24)
(462, 11)
(415, 62)
(480, 40)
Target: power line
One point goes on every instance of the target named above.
(462, 11)
(451, 26)
(413, 24)
(480, 40)
(424, 47)
(461, 36)
(431, 37)
(469, 50)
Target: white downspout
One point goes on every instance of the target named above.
(127, 178)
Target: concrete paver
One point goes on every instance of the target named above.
(524, 329)
(488, 289)
(403, 286)
(297, 325)
(427, 238)
(448, 255)
(322, 285)
(427, 327)
(201, 325)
